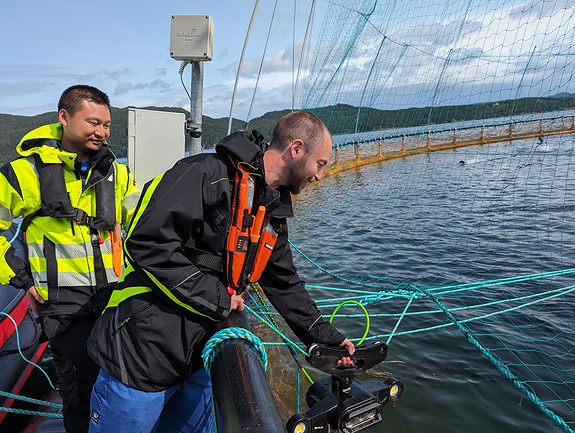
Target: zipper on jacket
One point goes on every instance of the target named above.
(138, 314)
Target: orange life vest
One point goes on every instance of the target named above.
(251, 238)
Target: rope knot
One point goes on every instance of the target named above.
(209, 352)
(374, 298)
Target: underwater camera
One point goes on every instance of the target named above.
(339, 404)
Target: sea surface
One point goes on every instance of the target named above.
(460, 216)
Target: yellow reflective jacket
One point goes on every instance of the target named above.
(61, 251)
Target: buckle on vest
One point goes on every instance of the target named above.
(81, 217)
(95, 240)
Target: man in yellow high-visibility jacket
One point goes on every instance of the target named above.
(73, 196)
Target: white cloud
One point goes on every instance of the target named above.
(105, 74)
(431, 54)
(122, 88)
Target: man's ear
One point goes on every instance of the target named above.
(297, 148)
(63, 117)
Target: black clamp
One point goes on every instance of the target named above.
(193, 129)
(365, 357)
(344, 406)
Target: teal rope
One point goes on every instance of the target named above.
(209, 352)
(357, 283)
(409, 290)
(31, 412)
(501, 366)
(557, 292)
(298, 389)
(419, 291)
(552, 294)
(20, 348)
(398, 322)
(472, 319)
(276, 330)
(509, 280)
(276, 327)
(29, 400)
(15, 234)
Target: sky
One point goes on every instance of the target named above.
(123, 48)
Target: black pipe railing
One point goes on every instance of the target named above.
(242, 396)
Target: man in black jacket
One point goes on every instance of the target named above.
(149, 340)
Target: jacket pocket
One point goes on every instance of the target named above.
(133, 315)
(220, 220)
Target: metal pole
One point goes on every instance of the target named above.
(242, 395)
(367, 82)
(302, 52)
(196, 104)
(240, 67)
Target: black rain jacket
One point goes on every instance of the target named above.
(165, 307)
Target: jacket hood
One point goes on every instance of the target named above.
(45, 141)
(249, 147)
(244, 146)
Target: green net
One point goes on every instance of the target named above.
(380, 65)
(482, 231)
(476, 238)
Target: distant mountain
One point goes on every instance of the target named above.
(340, 119)
(564, 95)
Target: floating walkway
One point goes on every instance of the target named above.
(353, 154)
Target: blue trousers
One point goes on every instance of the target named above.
(118, 408)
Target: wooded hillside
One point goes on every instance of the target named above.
(341, 119)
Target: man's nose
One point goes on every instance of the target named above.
(100, 131)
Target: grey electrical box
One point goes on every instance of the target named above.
(191, 37)
(156, 142)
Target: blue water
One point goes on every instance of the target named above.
(473, 214)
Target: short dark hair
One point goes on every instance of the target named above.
(72, 98)
(298, 124)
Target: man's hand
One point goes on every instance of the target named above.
(237, 302)
(350, 349)
(34, 297)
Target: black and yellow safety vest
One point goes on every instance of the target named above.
(67, 219)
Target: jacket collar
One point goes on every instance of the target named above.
(244, 146)
(249, 147)
(277, 201)
(45, 141)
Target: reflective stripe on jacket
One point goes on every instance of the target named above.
(60, 251)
